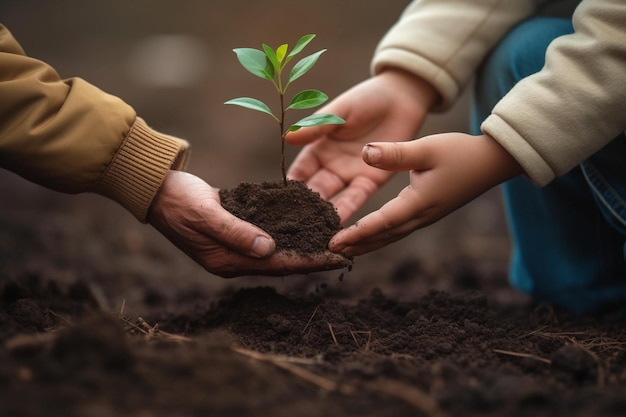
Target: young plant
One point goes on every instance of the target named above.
(270, 65)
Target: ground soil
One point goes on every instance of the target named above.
(257, 352)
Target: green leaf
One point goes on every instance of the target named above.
(271, 55)
(256, 62)
(304, 41)
(251, 103)
(304, 65)
(281, 51)
(307, 99)
(317, 120)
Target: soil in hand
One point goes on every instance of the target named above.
(296, 217)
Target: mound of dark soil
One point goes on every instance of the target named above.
(296, 217)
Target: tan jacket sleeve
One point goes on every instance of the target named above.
(553, 120)
(444, 41)
(70, 136)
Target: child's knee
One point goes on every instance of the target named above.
(521, 52)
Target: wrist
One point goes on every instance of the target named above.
(420, 90)
(139, 167)
(504, 165)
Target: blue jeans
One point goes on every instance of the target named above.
(568, 237)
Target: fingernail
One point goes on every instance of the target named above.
(372, 154)
(262, 247)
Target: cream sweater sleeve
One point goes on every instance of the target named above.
(444, 41)
(553, 120)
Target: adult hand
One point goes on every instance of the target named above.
(446, 172)
(389, 106)
(187, 211)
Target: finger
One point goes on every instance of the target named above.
(363, 248)
(306, 135)
(281, 264)
(234, 233)
(326, 183)
(396, 218)
(304, 166)
(397, 156)
(379, 241)
(351, 199)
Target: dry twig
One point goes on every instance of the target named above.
(411, 395)
(154, 331)
(589, 343)
(29, 341)
(369, 338)
(332, 333)
(523, 355)
(308, 323)
(286, 364)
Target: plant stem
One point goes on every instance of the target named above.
(281, 94)
(282, 138)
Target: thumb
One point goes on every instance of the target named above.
(241, 236)
(396, 156)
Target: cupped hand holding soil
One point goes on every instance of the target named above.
(189, 213)
(298, 219)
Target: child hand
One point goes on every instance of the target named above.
(446, 171)
(389, 106)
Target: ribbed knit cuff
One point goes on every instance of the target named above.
(139, 167)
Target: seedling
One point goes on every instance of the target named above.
(271, 64)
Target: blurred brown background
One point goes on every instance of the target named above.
(173, 62)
